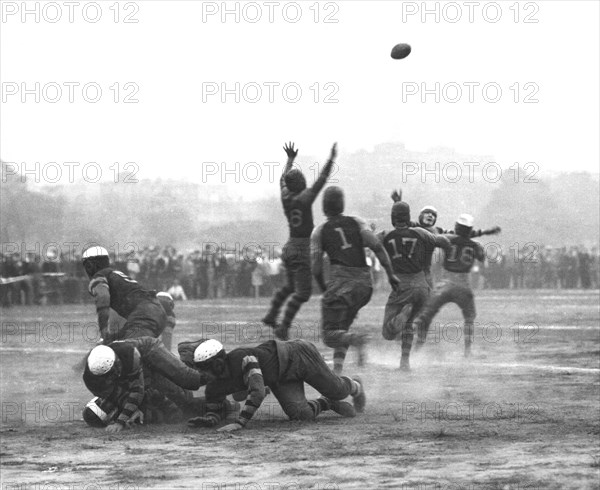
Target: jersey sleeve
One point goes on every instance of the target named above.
(253, 379)
(316, 249)
(368, 237)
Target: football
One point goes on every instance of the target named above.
(400, 51)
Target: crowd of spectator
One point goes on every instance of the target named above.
(212, 273)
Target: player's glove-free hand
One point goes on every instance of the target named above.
(230, 427)
(114, 428)
(138, 416)
(396, 195)
(202, 422)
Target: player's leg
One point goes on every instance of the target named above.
(440, 296)
(147, 319)
(302, 291)
(279, 298)
(466, 302)
(334, 333)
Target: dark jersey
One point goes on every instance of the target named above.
(462, 254)
(298, 206)
(241, 364)
(341, 238)
(409, 249)
(125, 293)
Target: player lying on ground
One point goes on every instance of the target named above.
(408, 248)
(349, 288)
(112, 289)
(297, 202)
(282, 366)
(455, 285)
(131, 375)
(427, 219)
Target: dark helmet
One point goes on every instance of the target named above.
(400, 213)
(95, 415)
(95, 259)
(295, 181)
(333, 201)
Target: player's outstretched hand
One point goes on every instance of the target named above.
(394, 282)
(230, 428)
(202, 422)
(138, 416)
(114, 428)
(289, 150)
(495, 230)
(396, 195)
(334, 152)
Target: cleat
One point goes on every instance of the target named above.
(343, 408)
(360, 399)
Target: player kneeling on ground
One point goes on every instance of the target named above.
(282, 366)
(134, 375)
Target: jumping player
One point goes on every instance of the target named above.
(112, 289)
(455, 286)
(408, 248)
(297, 202)
(343, 239)
(282, 366)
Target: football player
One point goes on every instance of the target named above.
(427, 219)
(454, 287)
(112, 289)
(297, 202)
(282, 366)
(349, 288)
(408, 248)
(125, 373)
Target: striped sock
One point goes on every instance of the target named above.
(292, 307)
(319, 405)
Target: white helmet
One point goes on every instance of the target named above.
(164, 295)
(429, 209)
(101, 360)
(94, 252)
(207, 350)
(465, 220)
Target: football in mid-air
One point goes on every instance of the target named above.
(400, 51)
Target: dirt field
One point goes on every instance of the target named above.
(523, 413)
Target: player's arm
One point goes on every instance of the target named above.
(487, 231)
(396, 195)
(291, 153)
(316, 253)
(324, 175)
(479, 252)
(135, 396)
(373, 242)
(253, 378)
(101, 293)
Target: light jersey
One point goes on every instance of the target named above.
(409, 249)
(125, 293)
(344, 239)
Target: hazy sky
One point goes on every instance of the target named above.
(179, 54)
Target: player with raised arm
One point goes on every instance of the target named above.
(284, 367)
(427, 219)
(455, 286)
(297, 202)
(408, 248)
(349, 288)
